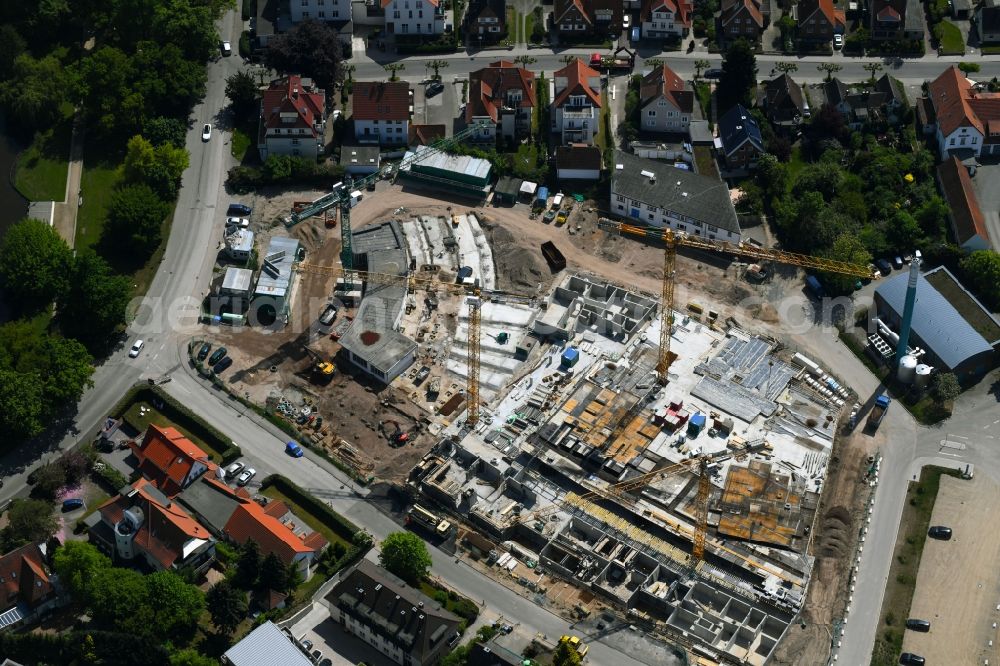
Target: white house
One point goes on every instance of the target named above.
(381, 112)
(413, 17)
(661, 195)
(322, 10)
(292, 119)
(665, 18)
(966, 121)
(576, 109)
(666, 102)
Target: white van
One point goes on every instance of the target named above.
(557, 201)
(356, 197)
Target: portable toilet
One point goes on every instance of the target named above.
(570, 357)
(696, 424)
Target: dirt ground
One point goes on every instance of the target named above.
(833, 541)
(957, 587)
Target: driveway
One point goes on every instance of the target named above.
(987, 185)
(440, 109)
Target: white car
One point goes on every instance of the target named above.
(206, 132)
(240, 222)
(227, 49)
(838, 41)
(234, 469)
(244, 478)
(626, 21)
(136, 348)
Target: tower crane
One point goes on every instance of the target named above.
(673, 239)
(474, 298)
(341, 195)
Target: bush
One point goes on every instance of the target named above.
(244, 45)
(109, 477)
(282, 170)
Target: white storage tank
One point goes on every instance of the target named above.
(907, 369)
(923, 375)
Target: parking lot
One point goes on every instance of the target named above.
(336, 645)
(438, 109)
(958, 588)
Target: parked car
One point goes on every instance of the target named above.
(71, 504)
(241, 222)
(206, 132)
(939, 532)
(217, 356)
(245, 476)
(136, 348)
(838, 41)
(306, 644)
(918, 625)
(317, 655)
(897, 262)
(222, 365)
(883, 266)
(227, 49)
(626, 21)
(714, 73)
(234, 469)
(433, 89)
(203, 352)
(238, 210)
(910, 659)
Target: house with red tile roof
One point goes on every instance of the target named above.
(666, 102)
(381, 112)
(292, 119)
(486, 21)
(819, 21)
(576, 109)
(27, 590)
(895, 20)
(414, 17)
(665, 19)
(741, 18)
(967, 120)
(502, 97)
(145, 528)
(169, 459)
(967, 220)
(587, 18)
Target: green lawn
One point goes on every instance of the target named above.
(311, 519)
(795, 164)
(42, 166)
(601, 140)
(240, 144)
(141, 421)
(949, 37)
(529, 26)
(98, 182)
(704, 92)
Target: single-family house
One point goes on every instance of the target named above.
(666, 102)
(27, 588)
(741, 19)
(143, 526)
(895, 98)
(587, 18)
(486, 21)
(168, 459)
(966, 119)
(292, 119)
(987, 23)
(965, 215)
(740, 143)
(819, 21)
(661, 195)
(896, 20)
(381, 112)
(665, 19)
(502, 98)
(783, 101)
(576, 108)
(413, 17)
(401, 622)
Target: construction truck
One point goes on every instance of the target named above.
(418, 515)
(878, 411)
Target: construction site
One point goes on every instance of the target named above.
(667, 460)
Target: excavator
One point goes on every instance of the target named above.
(322, 369)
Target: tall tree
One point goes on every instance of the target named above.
(20, 405)
(739, 76)
(177, 606)
(28, 520)
(273, 574)
(34, 92)
(12, 45)
(312, 49)
(227, 605)
(77, 562)
(566, 655)
(242, 91)
(248, 566)
(104, 88)
(405, 555)
(135, 219)
(847, 247)
(982, 271)
(191, 657)
(700, 66)
(96, 303)
(117, 599)
(163, 129)
(34, 265)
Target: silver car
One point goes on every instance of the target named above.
(244, 478)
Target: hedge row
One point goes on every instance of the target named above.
(183, 417)
(72, 648)
(336, 522)
(110, 478)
